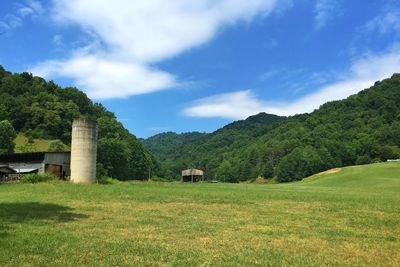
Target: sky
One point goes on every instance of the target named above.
(197, 65)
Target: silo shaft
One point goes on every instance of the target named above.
(83, 151)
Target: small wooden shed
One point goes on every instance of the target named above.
(192, 175)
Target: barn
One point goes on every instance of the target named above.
(192, 175)
(57, 163)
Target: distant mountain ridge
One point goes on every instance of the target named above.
(361, 129)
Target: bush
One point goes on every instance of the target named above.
(362, 160)
(56, 146)
(38, 178)
(106, 180)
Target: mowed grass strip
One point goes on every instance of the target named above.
(349, 217)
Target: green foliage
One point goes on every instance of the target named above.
(364, 159)
(43, 110)
(361, 129)
(268, 170)
(106, 180)
(56, 146)
(38, 178)
(7, 136)
(300, 163)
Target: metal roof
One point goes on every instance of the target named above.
(30, 156)
(191, 172)
(6, 169)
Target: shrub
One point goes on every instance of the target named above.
(362, 160)
(38, 178)
(56, 146)
(106, 180)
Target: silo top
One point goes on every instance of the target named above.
(82, 122)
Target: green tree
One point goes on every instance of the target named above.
(300, 163)
(56, 146)
(268, 170)
(113, 154)
(7, 136)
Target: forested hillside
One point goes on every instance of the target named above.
(361, 129)
(208, 151)
(43, 110)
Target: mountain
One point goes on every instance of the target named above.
(41, 110)
(201, 150)
(361, 129)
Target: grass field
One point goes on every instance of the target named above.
(38, 145)
(349, 217)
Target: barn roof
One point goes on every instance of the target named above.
(4, 169)
(190, 172)
(30, 156)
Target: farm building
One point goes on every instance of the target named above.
(192, 175)
(57, 163)
(5, 172)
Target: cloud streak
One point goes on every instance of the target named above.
(132, 36)
(324, 11)
(241, 104)
(386, 22)
(31, 8)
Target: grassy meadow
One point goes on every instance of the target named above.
(345, 217)
(39, 145)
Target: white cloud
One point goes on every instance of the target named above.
(134, 35)
(236, 105)
(104, 77)
(31, 8)
(239, 105)
(386, 22)
(324, 11)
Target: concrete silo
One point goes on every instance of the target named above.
(83, 151)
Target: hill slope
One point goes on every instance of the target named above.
(361, 129)
(42, 110)
(371, 177)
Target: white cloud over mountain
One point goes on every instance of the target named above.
(241, 104)
(134, 35)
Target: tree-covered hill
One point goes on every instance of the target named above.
(207, 151)
(361, 129)
(39, 109)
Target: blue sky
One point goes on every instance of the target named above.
(198, 65)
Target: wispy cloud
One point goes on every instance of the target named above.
(24, 10)
(241, 104)
(385, 22)
(30, 8)
(158, 129)
(133, 36)
(58, 40)
(324, 11)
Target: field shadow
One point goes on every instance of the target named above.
(20, 212)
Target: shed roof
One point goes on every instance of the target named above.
(190, 172)
(30, 156)
(4, 169)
